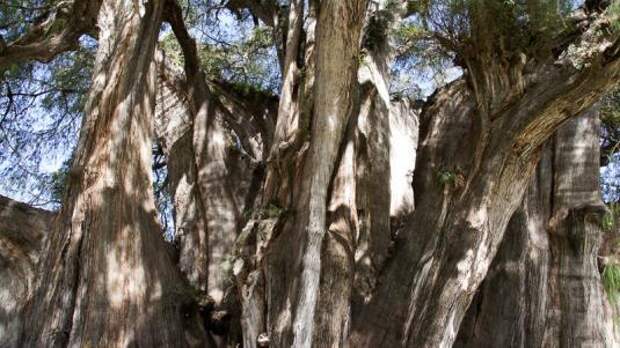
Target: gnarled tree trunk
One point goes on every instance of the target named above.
(543, 288)
(330, 250)
(107, 276)
(480, 140)
(23, 230)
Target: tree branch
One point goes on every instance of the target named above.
(266, 11)
(584, 71)
(173, 14)
(57, 32)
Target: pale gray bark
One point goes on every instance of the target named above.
(543, 288)
(337, 57)
(466, 188)
(206, 207)
(173, 129)
(333, 316)
(376, 152)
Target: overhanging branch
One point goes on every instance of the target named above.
(59, 31)
(266, 11)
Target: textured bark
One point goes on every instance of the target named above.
(380, 321)
(467, 187)
(231, 185)
(22, 232)
(293, 302)
(263, 262)
(543, 288)
(332, 244)
(334, 311)
(404, 130)
(173, 128)
(206, 246)
(387, 145)
(58, 32)
(292, 120)
(108, 278)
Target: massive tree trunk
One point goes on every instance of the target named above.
(232, 131)
(467, 187)
(543, 288)
(107, 277)
(23, 230)
(314, 240)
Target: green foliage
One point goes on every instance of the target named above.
(59, 181)
(245, 89)
(409, 32)
(247, 213)
(169, 44)
(608, 222)
(70, 81)
(446, 177)
(242, 62)
(16, 16)
(610, 141)
(246, 62)
(610, 109)
(495, 26)
(379, 25)
(611, 282)
(42, 106)
(272, 211)
(610, 218)
(613, 11)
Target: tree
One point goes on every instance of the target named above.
(540, 273)
(294, 215)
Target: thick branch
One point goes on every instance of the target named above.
(174, 15)
(266, 11)
(57, 33)
(584, 72)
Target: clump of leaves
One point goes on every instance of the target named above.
(248, 62)
(271, 211)
(610, 109)
(59, 180)
(610, 218)
(379, 25)
(247, 213)
(446, 177)
(608, 222)
(611, 282)
(614, 13)
(42, 106)
(172, 49)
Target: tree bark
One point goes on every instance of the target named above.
(333, 252)
(544, 288)
(388, 140)
(467, 188)
(237, 135)
(108, 278)
(23, 230)
(57, 32)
